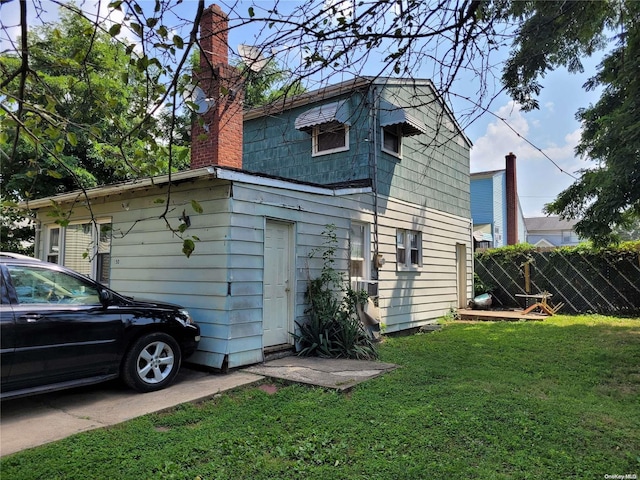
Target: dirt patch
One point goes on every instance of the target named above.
(268, 388)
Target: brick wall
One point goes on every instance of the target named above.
(216, 136)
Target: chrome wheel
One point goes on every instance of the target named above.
(155, 362)
(152, 362)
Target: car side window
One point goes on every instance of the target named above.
(39, 285)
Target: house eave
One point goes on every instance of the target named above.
(115, 188)
(232, 175)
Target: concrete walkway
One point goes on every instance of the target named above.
(33, 421)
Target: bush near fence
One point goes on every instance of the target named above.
(584, 278)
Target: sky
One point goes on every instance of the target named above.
(543, 140)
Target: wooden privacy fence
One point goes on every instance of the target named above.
(585, 280)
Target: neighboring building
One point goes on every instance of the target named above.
(551, 232)
(382, 160)
(495, 207)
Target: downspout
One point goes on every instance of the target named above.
(36, 240)
(374, 180)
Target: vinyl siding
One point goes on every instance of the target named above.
(409, 299)
(482, 204)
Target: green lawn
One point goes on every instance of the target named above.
(546, 400)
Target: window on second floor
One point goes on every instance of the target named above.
(392, 140)
(330, 138)
(397, 123)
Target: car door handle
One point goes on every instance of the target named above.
(31, 317)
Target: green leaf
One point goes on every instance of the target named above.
(177, 39)
(115, 29)
(252, 12)
(137, 28)
(196, 206)
(159, 200)
(188, 246)
(54, 174)
(72, 138)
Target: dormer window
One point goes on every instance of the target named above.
(330, 137)
(328, 125)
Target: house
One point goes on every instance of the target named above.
(495, 207)
(551, 232)
(381, 160)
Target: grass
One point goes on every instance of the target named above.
(543, 400)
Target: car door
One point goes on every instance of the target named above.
(62, 331)
(7, 330)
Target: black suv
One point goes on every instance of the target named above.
(60, 330)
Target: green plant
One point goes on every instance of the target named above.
(480, 287)
(333, 328)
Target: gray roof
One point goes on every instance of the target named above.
(548, 223)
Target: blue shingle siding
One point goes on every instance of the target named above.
(433, 170)
(273, 146)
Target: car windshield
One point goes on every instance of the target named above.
(40, 285)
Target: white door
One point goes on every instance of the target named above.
(278, 291)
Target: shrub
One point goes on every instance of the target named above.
(333, 328)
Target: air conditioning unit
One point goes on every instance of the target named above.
(369, 286)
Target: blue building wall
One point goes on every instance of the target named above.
(433, 170)
(273, 146)
(482, 207)
(489, 206)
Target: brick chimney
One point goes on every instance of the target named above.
(216, 136)
(512, 199)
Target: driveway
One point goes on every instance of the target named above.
(33, 421)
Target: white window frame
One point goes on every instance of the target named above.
(366, 252)
(53, 249)
(319, 129)
(393, 130)
(404, 245)
(95, 247)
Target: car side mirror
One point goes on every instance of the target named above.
(105, 297)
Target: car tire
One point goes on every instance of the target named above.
(152, 362)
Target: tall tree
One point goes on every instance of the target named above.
(606, 198)
(321, 41)
(79, 122)
(268, 84)
(73, 120)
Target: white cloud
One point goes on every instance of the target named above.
(539, 180)
(506, 133)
